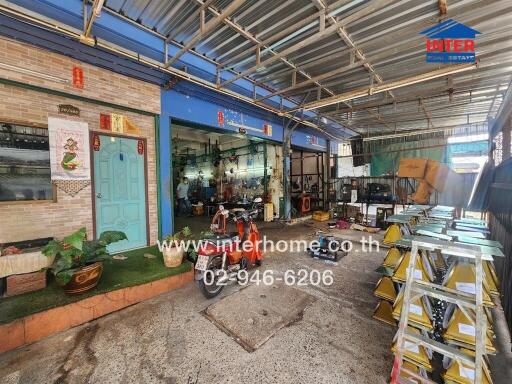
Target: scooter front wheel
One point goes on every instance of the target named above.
(209, 284)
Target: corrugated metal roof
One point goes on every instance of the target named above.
(388, 37)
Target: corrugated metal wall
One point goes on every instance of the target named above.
(500, 208)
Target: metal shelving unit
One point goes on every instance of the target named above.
(415, 289)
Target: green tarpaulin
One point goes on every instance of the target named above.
(385, 159)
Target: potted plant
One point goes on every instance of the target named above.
(174, 251)
(78, 263)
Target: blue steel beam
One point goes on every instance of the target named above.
(192, 104)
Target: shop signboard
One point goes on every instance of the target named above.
(313, 140)
(68, 109)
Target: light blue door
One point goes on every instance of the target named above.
(120, 191)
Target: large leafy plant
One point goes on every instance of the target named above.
(75, 252)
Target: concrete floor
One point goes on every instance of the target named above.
(169, 340)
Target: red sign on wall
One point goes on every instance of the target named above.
(96, 143)
(140, 147)
(313, 140)
(78, 77)
(105, 121)
(220, 118)
(267, 129)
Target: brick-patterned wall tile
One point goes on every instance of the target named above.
(98, 83)
(30, 220)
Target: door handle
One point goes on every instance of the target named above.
(99, 195)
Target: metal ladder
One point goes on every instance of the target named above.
(415, 289)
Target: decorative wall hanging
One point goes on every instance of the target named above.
(78, 77)
(117, 122)
(130, 128)
(72, 187)
(140, 147)
(96, 142)
(69, 149)
(105, 121)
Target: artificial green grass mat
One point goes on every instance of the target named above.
(117, 274)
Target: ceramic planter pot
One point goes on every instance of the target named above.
(85, 279)
(173, 256)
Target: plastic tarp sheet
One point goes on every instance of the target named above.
(385, 159)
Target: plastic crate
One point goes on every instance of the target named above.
(320, 216)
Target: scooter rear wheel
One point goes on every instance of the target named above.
(213, 289)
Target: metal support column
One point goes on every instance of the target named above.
(164, 145)
(287, 140)
(327, 175)
(265, 172)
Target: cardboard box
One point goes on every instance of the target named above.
(436, 175)
(413, 167)
(422, 194)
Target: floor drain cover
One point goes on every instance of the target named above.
(254, 314)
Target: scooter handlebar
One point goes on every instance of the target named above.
(246, 214)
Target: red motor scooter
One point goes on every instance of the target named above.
(220, 258)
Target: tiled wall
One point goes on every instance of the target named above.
(36, 219)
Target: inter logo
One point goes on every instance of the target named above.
(450, 42)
